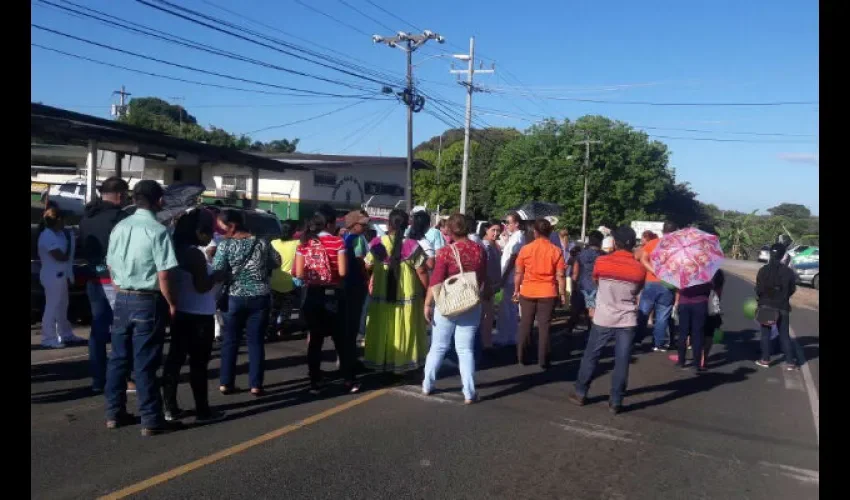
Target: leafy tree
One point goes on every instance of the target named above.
(790, 210)
(157, 114)
(735, 234)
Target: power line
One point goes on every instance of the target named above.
(332, 18)
(182, 66)
(117, 23)
(370, 126)
(691, 104)
(291, 35)
(305, 119)
(385, 11)
(185, 80)
(355, 9)
(247, 39)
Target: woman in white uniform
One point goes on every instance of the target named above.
(507, 323)
(56, 249)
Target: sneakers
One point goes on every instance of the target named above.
(615, 409)
(165, 428)
(54, 344)
(73, 339)
(763, 364)
(661, 348)
(791, 368)
(210, 416)
(174, 415)
(575, 399)
(121, 420)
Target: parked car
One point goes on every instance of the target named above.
(764, 253)
(810, 254)
(69, 197)
(808, 273)
(79, 310)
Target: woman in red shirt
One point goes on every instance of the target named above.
(321, 264)
(540, 280)
(463, 327)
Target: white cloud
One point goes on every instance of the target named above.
(807, 158)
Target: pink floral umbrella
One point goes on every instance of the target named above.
(687, 257)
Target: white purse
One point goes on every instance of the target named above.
(457, 294)
(713, 304)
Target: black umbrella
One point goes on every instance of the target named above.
(536, 209)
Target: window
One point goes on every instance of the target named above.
(327, 179)
(234, 182)
(378, 188)
(68, 188)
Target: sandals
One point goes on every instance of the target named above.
(227, 390)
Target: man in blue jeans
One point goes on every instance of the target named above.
(140, 257)
(101, 215)
(619, 279)
(656, 296)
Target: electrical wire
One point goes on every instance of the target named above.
(343, 23)
(684, 104)
(355, 9)
(185, 80)
(182, 66)
(370, 126)
(117, 23)
(303, 120)
(247, 39)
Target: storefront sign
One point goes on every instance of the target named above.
(350, 189)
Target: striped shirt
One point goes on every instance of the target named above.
(621, 279)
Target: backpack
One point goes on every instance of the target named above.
(317, 266)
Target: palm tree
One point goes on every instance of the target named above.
(735, 234)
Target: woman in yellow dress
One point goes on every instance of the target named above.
(396, 340)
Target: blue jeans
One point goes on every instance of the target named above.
(599, 338)
(659, 297)
(101, 297)
(250, 314)
(692, 318)
(463, 328)
(138, 335)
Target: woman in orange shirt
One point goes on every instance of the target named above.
(540, 280)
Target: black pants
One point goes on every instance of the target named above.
(282, 305)
(192, 335)
(692, 318)
(324, 311)
(782, 324)
(355, 297)
(541, 310)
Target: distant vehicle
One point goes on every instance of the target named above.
(262, 223)
(810, 254)
(808, 273)
(764, 253)
(69, 196)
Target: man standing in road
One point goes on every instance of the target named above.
(655, 296)
(620, 279)
(140, 258)
(101, 215)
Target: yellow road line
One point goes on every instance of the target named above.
(239, 448)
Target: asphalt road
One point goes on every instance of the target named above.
(736, 432)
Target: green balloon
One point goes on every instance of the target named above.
(750, 306)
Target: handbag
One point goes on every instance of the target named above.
(713, 304)
(222, 301)
(459, 293)
(767, 315)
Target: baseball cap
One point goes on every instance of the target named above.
(355, 217)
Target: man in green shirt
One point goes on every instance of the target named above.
(139, 257)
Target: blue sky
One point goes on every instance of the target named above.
(544, 51)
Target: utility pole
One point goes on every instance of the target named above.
(470, 88)
(409, 43)
(121, 109)
(587, 143)
(180, 110)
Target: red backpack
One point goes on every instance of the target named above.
(317, 266)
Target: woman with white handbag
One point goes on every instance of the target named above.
(458, 284)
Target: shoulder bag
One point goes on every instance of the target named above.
(222, 302)
(459, 293)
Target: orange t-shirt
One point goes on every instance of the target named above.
(539, 261)
(647, 249)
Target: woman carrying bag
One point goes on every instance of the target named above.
(458, 284)
(245, 298)
(775, 284)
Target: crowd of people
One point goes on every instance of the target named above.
(424, 291)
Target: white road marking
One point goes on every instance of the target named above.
(416, 392)
(804, 475)
(56, 360)
(792, 381)
(811, 390)
(591, 433)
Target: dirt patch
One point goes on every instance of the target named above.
(805, 297)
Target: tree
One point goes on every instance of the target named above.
(793, 211)
(735, 234)
(157, 114)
